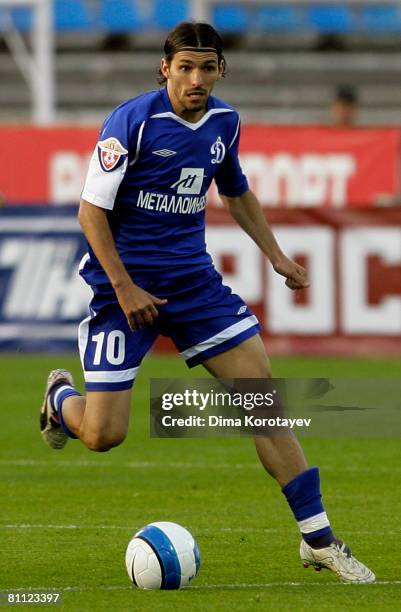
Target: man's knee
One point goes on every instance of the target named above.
(102, 442)
(106, 418)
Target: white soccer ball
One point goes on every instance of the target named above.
(162, 556)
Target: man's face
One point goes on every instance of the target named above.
(344, 113)
(191, 76)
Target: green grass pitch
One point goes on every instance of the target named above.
(66, 517)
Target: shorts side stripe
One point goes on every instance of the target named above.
(83, 261)
(111, 376)
(222, 336)
(83, 337)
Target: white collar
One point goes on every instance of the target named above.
(191, 126)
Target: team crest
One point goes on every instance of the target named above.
(110, 153)
(218, 150)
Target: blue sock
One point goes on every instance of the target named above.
(57, 395)
(305, 500)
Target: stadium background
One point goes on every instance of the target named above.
(331, 192)
(332, 195)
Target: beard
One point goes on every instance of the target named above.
(195, 107)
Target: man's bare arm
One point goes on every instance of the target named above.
(248, 213)
(138, 305)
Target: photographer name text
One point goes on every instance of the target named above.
(219, 421)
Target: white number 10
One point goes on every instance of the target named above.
(115, 347)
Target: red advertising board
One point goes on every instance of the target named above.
(286, 166)
(44, 165)
(321, 166)
(353, 306)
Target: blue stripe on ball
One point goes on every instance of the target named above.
(166, 553)
(197, 556)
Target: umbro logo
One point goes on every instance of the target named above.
(164, 152)
(242, 310)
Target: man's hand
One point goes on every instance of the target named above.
(296, 275)
(138, 305)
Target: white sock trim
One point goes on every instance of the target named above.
(57, 395)
(314, 523)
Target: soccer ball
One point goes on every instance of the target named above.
(162, 556)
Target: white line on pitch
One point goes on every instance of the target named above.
(287, 584)
(130, 464)
(174, 464)
(38, 526)
(201, 531)
(33, 526)
(257, 585)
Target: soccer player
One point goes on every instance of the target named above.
(142, 212)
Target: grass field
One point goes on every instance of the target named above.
(66, 517)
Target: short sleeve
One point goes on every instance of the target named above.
(109, 161)
(230, 179)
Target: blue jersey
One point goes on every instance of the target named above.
(151, 170)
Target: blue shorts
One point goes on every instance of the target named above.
(202, 317)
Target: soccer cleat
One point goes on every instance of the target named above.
(50, 428)
(339, 559)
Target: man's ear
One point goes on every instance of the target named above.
(164, 68)
(221, 68)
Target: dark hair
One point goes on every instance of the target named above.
(196, 35)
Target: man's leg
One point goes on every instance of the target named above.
(110, 354)
(283, 458)
(100, 419)
(281, 455)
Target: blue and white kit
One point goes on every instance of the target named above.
(151, 170)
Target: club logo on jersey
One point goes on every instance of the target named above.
(190, 181)
(110, 153)
(218, 150)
